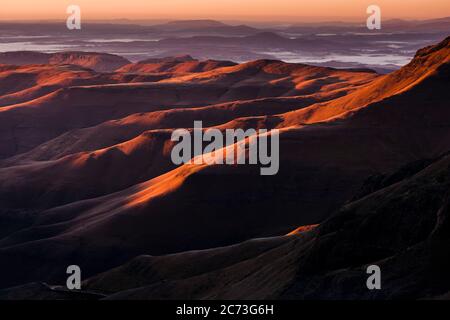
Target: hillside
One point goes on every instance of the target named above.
(86, 179)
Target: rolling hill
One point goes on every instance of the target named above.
(86, 179)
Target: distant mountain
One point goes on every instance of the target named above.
(432, 25)
(389, 25)
(388, 49)
(190, 24)
(204, 27)
(101, 62)
(259, 39)
(24, 57)
(266, 38)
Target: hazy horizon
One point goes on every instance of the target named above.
(230, 20)
(251, 10)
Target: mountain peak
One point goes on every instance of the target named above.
(444, 44)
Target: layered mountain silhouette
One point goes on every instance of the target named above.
(332, 44)
(204, 26)
(102, 62)
(86, 179)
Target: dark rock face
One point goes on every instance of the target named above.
(380, 181)
(402, 228)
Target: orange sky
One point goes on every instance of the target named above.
(222, 9)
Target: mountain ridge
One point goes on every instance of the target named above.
(374, 124)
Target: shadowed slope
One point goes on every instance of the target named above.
(75, 182)
(25, 83)
(118, 131)
(403, 228)
(86, 175)
(26, 125)
(321, 166)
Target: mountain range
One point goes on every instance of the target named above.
(322, 44)
(86, 178)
